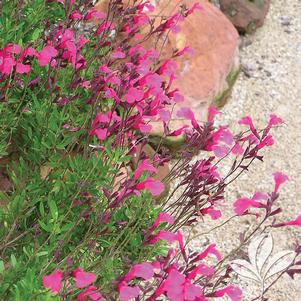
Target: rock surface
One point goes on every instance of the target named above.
(246, 15)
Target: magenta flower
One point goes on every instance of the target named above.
(144, 270)
(7, 65)
(212, 112)
(212, 212)
(248, 122)
(90, 293)
(144, 166)
(53, 281)
(133, 95)
(279, 179)
(82, 278)
(274, 121)
(203, 270)
(233, 292)
(163, 218)
(46, 55)
(155, 187)
(242, 205)
(118, 54)
(295, 222)
(211, 249)
(21, 68)
(189, 115)
(128, 292)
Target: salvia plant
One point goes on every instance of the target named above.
(84, 215)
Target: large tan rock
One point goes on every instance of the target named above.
(208, 76)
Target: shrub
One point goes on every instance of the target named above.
(79, 89)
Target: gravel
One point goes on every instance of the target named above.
(270, 82)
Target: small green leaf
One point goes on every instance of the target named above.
(53, 209)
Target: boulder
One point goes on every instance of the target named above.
(208, 76)
(246, 15)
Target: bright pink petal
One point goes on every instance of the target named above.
(188, 114)
(243, 204)
(53, 281)
(83, 279)
(163, 218)
(128, 292)
(279, 179)
(213, 213)
(220, 150)
(46, 55)
(155, 187)
(274, 120)
(144, 166)
(144, 270)
(212, 112)
(295, 222)
(133, 95)
(90, 293)
(211, 249)
(21, 68)
(234, 293)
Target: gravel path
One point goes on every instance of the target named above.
(270, 83)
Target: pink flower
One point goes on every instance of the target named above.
(188, 114)
(7, 65)
(164, 115)
(211, 249)
(13, 48)
(279, 179)
(243, 204)
(212, 112)
(144, 166)
(101, 134)
(155, 187)
(128, 292)
(83, 279)
(90, 293)
(53, 281)
(144, 270)
(163, 218)
(274, 120)
(94, 14)
(75, 15)
(201, 269)
(118, 54)
(21, 68)
(196, 6)
(46, 55)
(213, 213)
(267, 141)
(134, 95)
(220, 150)
(234, 293)
(238, 149)
(248, 121)
(295, 222)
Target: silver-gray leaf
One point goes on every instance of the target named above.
(245, 269)
(279, 263)
(259, 250)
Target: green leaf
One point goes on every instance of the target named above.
(2, 268)
(13, 260)
(53, 209)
